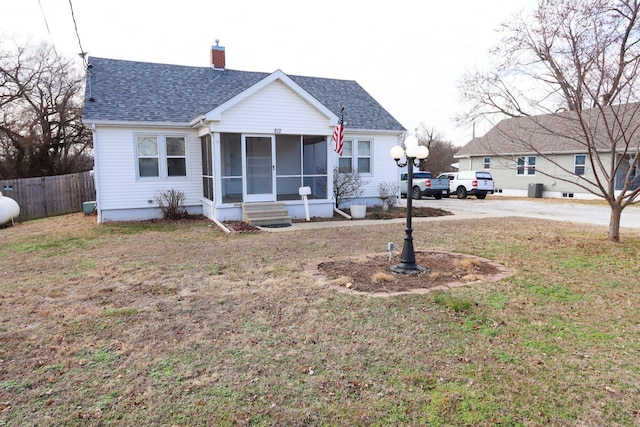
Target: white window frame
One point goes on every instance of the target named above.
(359, 156)
(176, 156)
(528, 168)
(138, 156)
(162, 156)
(355, 155)
(343, 157)
(576, 165)
(486, 163)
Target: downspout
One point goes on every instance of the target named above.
(339, 212)
(90, 81)
(221, 225)
(96, 176)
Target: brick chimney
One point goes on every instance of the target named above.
(217, 56)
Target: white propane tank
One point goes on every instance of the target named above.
(9, 209)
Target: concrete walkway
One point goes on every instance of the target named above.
(314, 225)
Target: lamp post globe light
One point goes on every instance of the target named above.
(413, 154)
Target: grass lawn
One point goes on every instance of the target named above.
(180, 324)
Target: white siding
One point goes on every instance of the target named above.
(274, 107)
(508, 183)
(271, 110)
(116, 181)
(383, 167)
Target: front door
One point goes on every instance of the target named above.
(258, 153)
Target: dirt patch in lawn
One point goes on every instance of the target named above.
(372, 274)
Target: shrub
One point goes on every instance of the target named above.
(171, 204)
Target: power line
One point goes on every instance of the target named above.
(48, 29)
(82, 53)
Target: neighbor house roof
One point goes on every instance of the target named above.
(130, 91)
(558, 133)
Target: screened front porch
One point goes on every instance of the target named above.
(259, 168)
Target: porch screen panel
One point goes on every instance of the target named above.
(288, 187)
(288, 167)
(231, 163)
(288, 155)
(318, 186)
(207, 167)
(314, 173)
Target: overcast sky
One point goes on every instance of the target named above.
(407, 55)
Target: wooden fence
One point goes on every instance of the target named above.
(50, 195)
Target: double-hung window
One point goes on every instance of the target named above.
(176, 156)
(526, 165)
(364, 156)
(148, 159)
(161, 156)
(356, 155)
(345, 162)
(579, 164)
(486, 163)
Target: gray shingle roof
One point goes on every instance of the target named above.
(149, 92)
(559, 133)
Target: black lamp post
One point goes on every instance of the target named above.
(413, 153)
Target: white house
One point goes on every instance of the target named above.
(548, 155)
(228, 138)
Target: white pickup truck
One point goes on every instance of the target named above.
(474, 183)
(424, 185)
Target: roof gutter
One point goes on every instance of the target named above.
(198, 121)
(525, 153)
(112, 123)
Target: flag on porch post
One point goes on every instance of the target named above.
(338, 134)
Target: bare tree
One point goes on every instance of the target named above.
(41, 132)
(441, 152)
(581, 58)
(347, 186)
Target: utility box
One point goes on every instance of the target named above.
(89, 207)
(535, 190)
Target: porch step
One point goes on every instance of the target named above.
(272, 214)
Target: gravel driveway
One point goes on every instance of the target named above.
(591, 212)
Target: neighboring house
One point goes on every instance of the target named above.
(542, 156)
(227, 138)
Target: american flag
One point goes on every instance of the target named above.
(338, 134)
